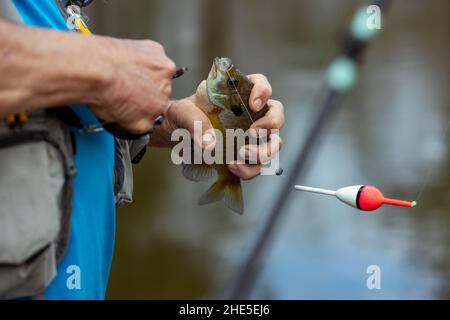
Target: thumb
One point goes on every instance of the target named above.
(199, 126)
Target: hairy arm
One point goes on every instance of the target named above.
(123, 81)
(37, 69)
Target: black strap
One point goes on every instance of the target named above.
(68, 116)
(139, 156)
(79, 3)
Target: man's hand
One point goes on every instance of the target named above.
(124, 81)
(183, 113)
(139, 84)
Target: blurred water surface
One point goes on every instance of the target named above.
(389, 133)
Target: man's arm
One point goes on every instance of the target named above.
(124, 81)
(38, 69)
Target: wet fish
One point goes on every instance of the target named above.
(224, 98)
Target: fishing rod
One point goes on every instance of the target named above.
(340, 78)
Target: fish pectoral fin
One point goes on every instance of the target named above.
(198, 172)
(230, 193)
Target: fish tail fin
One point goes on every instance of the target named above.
(228, 191)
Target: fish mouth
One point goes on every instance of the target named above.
(222, 64)
(216, 65)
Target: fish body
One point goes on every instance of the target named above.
(224, 98)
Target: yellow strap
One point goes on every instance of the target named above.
(82, 26)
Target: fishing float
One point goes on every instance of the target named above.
(362, 197)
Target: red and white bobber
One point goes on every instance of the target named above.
(362, 197)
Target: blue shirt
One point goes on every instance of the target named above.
(89, 254)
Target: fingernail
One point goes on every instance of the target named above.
(258, 103)
(208, 139)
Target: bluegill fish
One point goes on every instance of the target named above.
(224, 98)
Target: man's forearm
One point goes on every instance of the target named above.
(43, 68)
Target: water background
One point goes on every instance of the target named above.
(389, 133)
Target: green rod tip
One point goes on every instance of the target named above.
(413, 204)
(342, 74)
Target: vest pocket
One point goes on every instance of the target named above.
(35, 207)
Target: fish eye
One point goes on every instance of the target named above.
(232, 82)
(237, 110)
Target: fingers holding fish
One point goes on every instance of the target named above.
(273, 119)
(185, 114)
(255, 155)
(245, 171)
(261, 153)
(236, 103)
(261, 92)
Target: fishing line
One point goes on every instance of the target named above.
(240, 97)
(429, 171)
